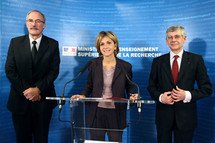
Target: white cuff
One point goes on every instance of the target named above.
(160, 99)
(187, 97)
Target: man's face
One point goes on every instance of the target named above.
(175, 41)
(35, 24)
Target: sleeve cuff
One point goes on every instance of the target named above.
(187, 97)
(160, 98)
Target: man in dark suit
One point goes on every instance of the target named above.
(32, 66)
(171, 84)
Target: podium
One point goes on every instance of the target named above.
(80, 129)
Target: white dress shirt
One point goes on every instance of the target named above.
(187, 93)
(37, 44)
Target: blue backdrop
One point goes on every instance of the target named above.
(140, 27)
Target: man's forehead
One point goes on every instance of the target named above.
(35, 14)
(174, 32)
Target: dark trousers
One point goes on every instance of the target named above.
(34, 123)
(106, 119)
(164, 135)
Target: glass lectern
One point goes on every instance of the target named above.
(78, 106)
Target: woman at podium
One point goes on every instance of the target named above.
(106, 79)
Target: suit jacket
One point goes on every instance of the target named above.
(95, 83)
(23, 73)
(192, 70)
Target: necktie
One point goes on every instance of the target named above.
(34, 50)
(175, 69)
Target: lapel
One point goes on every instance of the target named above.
(43, 47)
(27, 49)
(166, 66)
(185, 63)
(99, 71)
(117, 71)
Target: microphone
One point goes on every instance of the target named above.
(138, 89)
(85, 67)
(62, 102)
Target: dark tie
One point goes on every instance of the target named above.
(175, 69)
(34, 50)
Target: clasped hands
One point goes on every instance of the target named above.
(173, 96)
(32, 94)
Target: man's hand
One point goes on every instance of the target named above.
(32, 94)
(178, 94)
(166, 98)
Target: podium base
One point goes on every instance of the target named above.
(93, 141)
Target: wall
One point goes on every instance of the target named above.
(140, 27)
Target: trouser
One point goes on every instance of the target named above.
(35, 122)
(164, 135)
(106, 119)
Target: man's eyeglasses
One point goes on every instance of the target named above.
(177, 37)
(36, 21)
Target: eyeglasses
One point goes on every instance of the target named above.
(177, 37)
(36, 21)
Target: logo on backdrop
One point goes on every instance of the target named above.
(69, 51)
(137, 52)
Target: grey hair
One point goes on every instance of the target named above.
(44, 18)
(176, 28)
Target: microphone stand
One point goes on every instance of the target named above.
(139, 104)
(62, 102)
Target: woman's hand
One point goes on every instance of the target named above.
(134, 96)
(78, 96)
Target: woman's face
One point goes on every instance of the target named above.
(107, 47)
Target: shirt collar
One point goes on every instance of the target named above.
(179, 54)
(37, 40)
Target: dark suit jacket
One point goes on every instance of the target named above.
(22, 73)
(95, 83)
(192, 70)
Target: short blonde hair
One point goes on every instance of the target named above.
(109, 34)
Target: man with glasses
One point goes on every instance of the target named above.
(171, 84)
(32, 66)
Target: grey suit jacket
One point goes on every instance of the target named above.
(192, 70)
(23, 73)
